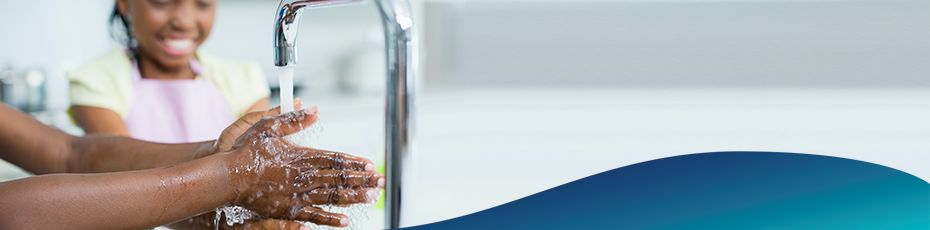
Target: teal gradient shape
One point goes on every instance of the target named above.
(720, 191)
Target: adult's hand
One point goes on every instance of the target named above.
(280, 180)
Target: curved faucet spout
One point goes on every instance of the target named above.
(285, 27)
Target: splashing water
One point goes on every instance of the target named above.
(303, 137)
(234, 215)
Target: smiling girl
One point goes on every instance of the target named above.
(158, 87)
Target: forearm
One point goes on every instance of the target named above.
(125, 200)
(112, 153)
(41, 149)
(31, 145)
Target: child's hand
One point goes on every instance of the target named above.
(232, 132)
(280, 180)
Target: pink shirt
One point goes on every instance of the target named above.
(176, 111)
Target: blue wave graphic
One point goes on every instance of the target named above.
(719, 191)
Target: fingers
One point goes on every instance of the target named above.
(271, 224)
(255, 116)
(343, 179)
(298, 103)
(289, 123)
(232, 132)
(320, 217)
(341, 196)
(321, 159)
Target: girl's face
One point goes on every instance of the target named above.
(168, 31)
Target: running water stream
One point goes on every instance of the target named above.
(286, 85)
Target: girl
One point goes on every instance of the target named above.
(159, 88)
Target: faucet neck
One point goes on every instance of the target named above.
(285, 29)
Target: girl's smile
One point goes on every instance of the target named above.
(177, 47)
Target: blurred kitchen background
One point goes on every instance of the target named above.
(518, 96)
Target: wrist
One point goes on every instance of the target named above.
(230, 164)
(204, 184)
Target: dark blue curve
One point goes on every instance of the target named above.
(719, 191)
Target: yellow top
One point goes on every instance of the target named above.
(107, 82)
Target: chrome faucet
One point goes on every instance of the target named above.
(401, 53)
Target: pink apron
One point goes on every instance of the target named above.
(176, 111)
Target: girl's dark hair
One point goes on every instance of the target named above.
(120, 29)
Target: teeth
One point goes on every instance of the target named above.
(179, 44)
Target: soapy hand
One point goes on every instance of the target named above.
(280, 180)
(238, 127)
